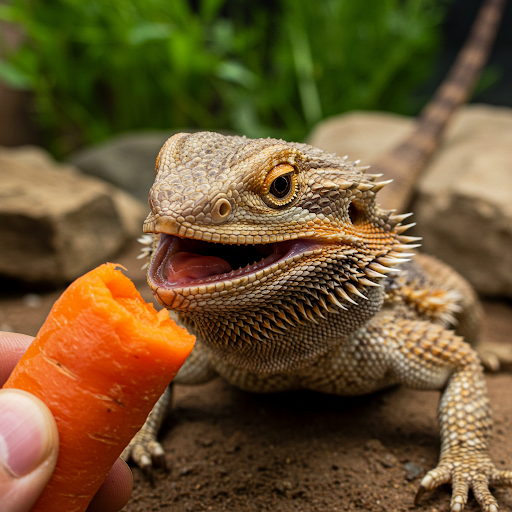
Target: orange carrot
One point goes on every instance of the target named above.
(100, 362)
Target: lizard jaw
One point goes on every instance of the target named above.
(182, 267)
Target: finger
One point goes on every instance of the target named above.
(29, 443)
(12, 347)
(115, 492)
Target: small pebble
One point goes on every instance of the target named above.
(32, 300)
(6, 327)
(413, 470)
(283, 486)
(374, 445)
(388, 460)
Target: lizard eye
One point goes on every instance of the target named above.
(281, 185)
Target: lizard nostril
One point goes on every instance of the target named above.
(221, 210)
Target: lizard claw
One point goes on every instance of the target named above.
(148, 472)
(147, 453)
(476, 474)
(421, 491)
(434, 478)
(158, 456)
(144, 449)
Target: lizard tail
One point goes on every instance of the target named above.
(406, 161)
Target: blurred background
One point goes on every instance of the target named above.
(75, 73)
(96, 87)
(90, 91)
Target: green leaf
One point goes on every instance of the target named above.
(7, 13)
(209, 9)
(149, 32)
(13, 77)
(237, 73)
(263, 68)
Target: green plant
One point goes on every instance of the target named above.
(97, 68)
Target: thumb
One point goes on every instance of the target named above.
(29, 443)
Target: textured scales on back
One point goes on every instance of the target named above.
(278, 256)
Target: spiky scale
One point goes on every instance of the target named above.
(389, 332)
(381, 184)
(352, 289)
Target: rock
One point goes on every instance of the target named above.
(55, 222)
(360, 135)
(374, 445)
(464, 203)
(413, 471)
(464, 199)
(388, 460)
(127, 160)
(33, 156)
(32, 300)
(234, 443)
(282, 487)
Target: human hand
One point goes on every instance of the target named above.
(29, 444)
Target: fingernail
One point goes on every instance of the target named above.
(25, 432)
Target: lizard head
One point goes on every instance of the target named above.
(279, 232)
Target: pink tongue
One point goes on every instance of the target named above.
(186, 266)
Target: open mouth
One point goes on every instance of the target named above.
(182, 263)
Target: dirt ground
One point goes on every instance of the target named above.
(236, 451)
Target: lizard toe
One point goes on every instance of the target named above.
(495, 356)
(149, 474)
(144, 449)
(501, 478)
(157, 455)
(138, 453)
(147, 453)
(476, 473)
(434, 478)
(484, 497)
(460, 489)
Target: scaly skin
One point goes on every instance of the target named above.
(334, 304)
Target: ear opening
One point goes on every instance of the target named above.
(354, 213)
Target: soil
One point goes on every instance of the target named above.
(235, 451)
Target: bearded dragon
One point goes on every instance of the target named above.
(279, 258)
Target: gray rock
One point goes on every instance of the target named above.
(413, 470)
(464, 200)
(55, 222)
(127, 160)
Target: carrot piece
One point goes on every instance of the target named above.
(100, 362)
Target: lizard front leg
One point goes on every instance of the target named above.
(429, 357)
(424, 355)
(144, 449)
(465, 421)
